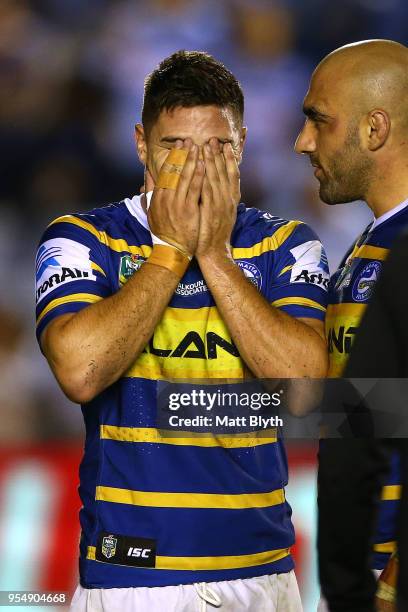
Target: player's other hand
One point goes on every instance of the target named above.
(381, 605)
(220, 196)
(174, 213)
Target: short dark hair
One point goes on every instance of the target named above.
(190, 78)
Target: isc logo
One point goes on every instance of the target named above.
(139, 552)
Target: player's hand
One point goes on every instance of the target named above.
(220, 196)
(387, 586)
(384, 606)
(174, 213)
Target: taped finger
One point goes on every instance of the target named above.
(172, 168)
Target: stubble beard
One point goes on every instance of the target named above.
(350, 172)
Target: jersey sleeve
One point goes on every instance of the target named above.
(300, 277)
(71, 270)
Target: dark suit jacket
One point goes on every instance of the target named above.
(351, 472)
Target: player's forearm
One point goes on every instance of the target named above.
(272, 343)
(96, 346)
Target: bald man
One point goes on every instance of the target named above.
(356, 136)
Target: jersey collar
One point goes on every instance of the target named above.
(389, 214)
(134, 206)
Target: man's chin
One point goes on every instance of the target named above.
(332, 199)
(328, 196)
(324, 195)
(325, 198)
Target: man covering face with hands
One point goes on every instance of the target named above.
(183, 282)
(206, 176)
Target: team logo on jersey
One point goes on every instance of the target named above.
(345, 275)
(345, 281)
(109, 546)
(128, 266)
(364, 284)
(252, 273)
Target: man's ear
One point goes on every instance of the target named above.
(141, 143)
(378, 129)
(242, 143)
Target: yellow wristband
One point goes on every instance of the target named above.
(169, 257)
(386, 592)
(172, 168)
(387, 582)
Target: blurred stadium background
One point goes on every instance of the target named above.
(71, 82)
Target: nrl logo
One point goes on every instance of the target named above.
(128, 266)
(109, 546)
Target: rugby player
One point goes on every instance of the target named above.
(356, 136)
(184, 283)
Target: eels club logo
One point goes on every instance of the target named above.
(364, 284)
(251, 272)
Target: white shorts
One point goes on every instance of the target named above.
(274, 593)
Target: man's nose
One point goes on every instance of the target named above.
(305, 142)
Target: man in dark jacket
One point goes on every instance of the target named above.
(356, 136)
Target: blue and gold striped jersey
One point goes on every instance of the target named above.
(170, 510)
(351, 288)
